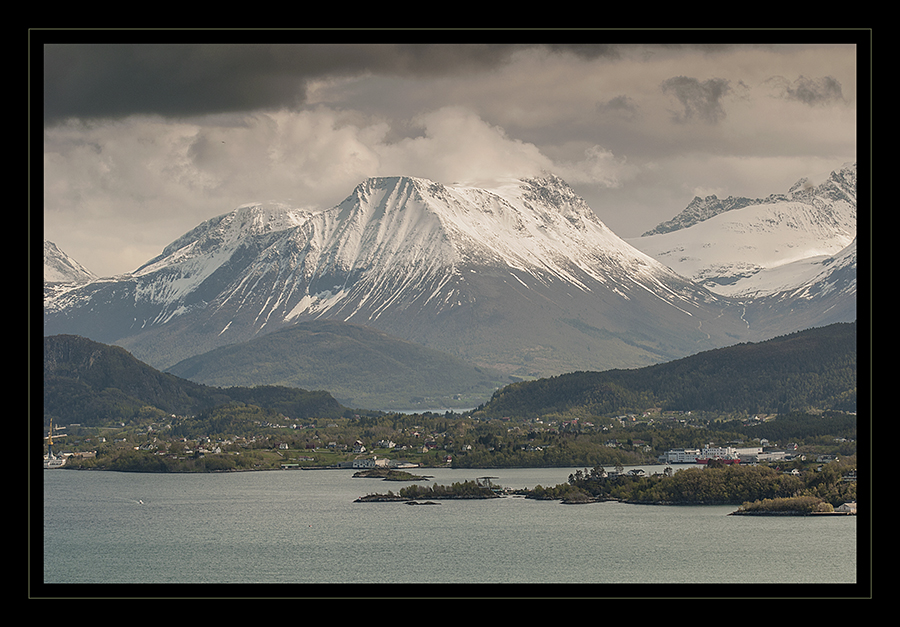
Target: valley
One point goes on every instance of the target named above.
(271, 337)
(119, 414)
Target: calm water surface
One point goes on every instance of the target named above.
(303, 527)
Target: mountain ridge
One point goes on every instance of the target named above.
(523, 278)
(92, 383)
(838, 185)
(359, 366)
(756, 248)
(810, 370)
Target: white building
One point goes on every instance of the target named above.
(680, 456)
(718, 452)
(370, 463)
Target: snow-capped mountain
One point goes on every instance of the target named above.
(521, 276)
(742, 247)
(60, 268)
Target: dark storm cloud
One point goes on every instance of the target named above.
(113, 80)
(811, 91)
(172, 80)
(700, 100)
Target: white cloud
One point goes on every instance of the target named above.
(599, 167)
(166, 178)
(458, 146)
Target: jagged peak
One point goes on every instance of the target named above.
(836, 185)
(258, 218)
(254, 218)
(845, 174)
(61, 268)
(383, 183)
(537, 195)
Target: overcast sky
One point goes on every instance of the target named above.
(142, 142)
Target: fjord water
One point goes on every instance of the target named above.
(298, 526)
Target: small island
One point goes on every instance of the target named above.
(479, 489)
(389, 474)
(793, 506)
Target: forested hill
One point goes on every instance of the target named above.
(92, 383)
(808, 370)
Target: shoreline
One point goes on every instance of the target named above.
(791, 513)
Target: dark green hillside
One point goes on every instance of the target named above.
(808, 370)
(96, 384)
(360, 366)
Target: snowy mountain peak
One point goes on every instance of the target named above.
(397, 253)
(226, 230)
(760, 246)
(519, 275)
(60, 268)
(839, 185)
(526, 224)
(821, 190)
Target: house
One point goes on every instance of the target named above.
(849, 508)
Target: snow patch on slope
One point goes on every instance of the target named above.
(762, 248)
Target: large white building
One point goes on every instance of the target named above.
(680, 456)
(691, 455)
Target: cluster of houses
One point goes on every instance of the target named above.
(359, 448)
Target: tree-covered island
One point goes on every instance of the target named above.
(757, 490)
(480, 489)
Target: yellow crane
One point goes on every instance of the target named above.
(51, 460)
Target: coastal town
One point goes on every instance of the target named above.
(332, 445)
(458, 440)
